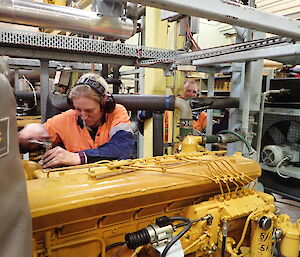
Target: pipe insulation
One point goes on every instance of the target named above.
(65, 18)
(147, 102)
(59, 103)
(214, 102)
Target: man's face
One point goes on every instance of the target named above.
(190, 91)
(88, 110)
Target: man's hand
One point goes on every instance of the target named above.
(58, 156)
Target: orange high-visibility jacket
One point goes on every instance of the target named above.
(113, 136)
(200, 124)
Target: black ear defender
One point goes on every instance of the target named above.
(107, 103)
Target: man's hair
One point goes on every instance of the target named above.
(82, 90)
(189, 82)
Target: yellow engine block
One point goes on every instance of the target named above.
(85, 210)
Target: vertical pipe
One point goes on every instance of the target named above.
(44, 87)
(209, 119)
(246, 102)
(116, 75)
(104, 71)
(158, 139)
(237, 84)
(141, 86)
(260, 125)
(16, 80)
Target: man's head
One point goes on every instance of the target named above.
(190, 88)
(89, 98)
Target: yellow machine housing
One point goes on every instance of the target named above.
(79, 211)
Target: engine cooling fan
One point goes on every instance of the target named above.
(281, 147)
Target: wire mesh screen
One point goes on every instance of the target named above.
(281, 130)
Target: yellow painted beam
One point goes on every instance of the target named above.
(155, 83)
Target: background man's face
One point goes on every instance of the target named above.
(191, 91)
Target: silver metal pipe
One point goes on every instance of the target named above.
(185, 109)
(231, 13)
(246, 102)
(64, 18)
(186, 118)
(270, 52)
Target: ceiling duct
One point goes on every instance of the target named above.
(65, 18)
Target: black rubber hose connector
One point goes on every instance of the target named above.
(136, 239)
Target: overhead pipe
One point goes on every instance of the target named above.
(58, 103)
(230, 12)
(65, 18)
(215, 102)
(31, 75)
(146, 102)
(154, 103)
(160, 103)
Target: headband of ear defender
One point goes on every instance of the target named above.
(93, 84)
(107, 103)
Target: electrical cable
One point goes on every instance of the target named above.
(279, 164)
(190, 36)
(224, 238)
(223, 249)
(179, 235)
(278, 249)
(192, 221)
(249, 147)
(112, 246)
(34, 92)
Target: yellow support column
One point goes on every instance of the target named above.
(155, 82)
(175, 85)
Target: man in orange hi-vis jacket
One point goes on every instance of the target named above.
(96, 129)
(190, 90)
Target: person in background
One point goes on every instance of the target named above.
(191, 91)
(96, 129)
(199, 123)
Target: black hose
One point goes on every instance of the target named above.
(112, 246)
(136, 239)
(185, 223)
(223, 251)
(248, 145)
(224, 237)
(180, 234)
(278, 249)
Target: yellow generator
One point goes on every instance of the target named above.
(199, 204)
